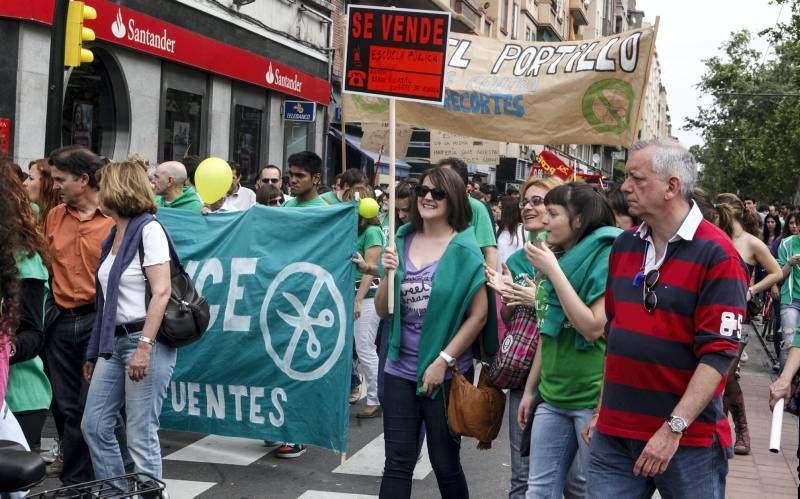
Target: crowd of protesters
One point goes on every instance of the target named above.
(621, 309)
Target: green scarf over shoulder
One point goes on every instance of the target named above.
(458, 277)
(586, 268)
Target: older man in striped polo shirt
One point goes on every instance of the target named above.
(675, 299)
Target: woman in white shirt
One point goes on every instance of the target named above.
(510, 234)
(126, 364)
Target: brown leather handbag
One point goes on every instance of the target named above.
(476, 411)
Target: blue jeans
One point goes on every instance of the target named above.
(790, 321)
(109, 390)
(692, 472)
(555, 443)
(519, 465)
(403, 414)
(65, 345)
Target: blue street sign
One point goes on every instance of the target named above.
(299, 110)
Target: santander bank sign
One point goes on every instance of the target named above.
(158, 40)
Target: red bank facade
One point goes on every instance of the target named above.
(170, 79)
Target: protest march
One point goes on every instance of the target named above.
(312, 249)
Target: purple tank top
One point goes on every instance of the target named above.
(415, 291)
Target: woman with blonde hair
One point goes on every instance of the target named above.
(742, 227)
(41, 189)
(370, 244)
(126, 364)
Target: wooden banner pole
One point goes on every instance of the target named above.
(392, 156)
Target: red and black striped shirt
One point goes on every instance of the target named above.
(651, 357)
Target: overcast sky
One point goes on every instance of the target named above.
(693, 30)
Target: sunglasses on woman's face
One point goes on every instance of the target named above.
(436, 193)
(275, 202)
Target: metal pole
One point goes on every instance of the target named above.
(55, 85)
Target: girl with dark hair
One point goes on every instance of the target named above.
(619, 205)
(435, 323)
(510, 234)
(23, 284)
(733, 218)
(570, 311)
(41, 189)
(772, 229)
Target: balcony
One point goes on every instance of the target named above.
(548, 18)
(466, 13)
(578, 12)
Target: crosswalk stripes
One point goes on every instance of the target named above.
(222, 450)
(370, 458)
(321, 494)
(186, 489)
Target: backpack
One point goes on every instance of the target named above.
(187, 314)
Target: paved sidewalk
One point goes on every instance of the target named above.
(762, 474)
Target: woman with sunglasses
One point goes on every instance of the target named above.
(732, 219)
(519, 316)
(269, 195)
(439, 268)
(570, 312)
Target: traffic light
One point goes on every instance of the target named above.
(77, 33)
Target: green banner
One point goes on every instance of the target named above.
(275, 362)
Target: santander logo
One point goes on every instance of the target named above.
(142, 36)
(118, 26)
(274, 77)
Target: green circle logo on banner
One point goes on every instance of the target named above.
(371, 104)
(607, 106)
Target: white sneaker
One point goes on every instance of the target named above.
(51, 455)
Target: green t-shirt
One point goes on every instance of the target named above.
(330, 197)
(296, 203)
(790, 290)
(570, 378)
(186, 200)
(484, 232)
(371, 237)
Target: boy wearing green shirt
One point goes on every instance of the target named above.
(305, 172)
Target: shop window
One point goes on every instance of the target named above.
(88, 117)
(183, 119)
(246, 150)
(297, 137)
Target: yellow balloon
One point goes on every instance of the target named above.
(368, 208)
(212, 179)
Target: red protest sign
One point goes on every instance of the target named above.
(396, 53)
(553, 165)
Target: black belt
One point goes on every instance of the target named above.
(128, 328)
(79, 310)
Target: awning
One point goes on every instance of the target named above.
(402, 168)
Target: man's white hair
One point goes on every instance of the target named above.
(671, 159)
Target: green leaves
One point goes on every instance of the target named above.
(751, 130)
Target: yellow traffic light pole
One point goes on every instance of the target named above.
(66, 50)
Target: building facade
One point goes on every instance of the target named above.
(176, 78)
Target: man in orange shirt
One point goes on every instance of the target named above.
(75, 231)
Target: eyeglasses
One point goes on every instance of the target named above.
(275, 202)
(437, 192)
(649, 297)
(533, 201)
(270, 180)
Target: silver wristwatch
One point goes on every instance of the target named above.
(449, 359)
(677, 424)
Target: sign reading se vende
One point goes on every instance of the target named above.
(397, 53)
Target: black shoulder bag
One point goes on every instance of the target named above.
(187, 314)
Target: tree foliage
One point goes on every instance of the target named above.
(751, 130)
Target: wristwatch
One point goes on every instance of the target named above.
(449, 359)
(677, 424)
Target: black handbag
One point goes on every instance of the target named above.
(187, 314)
